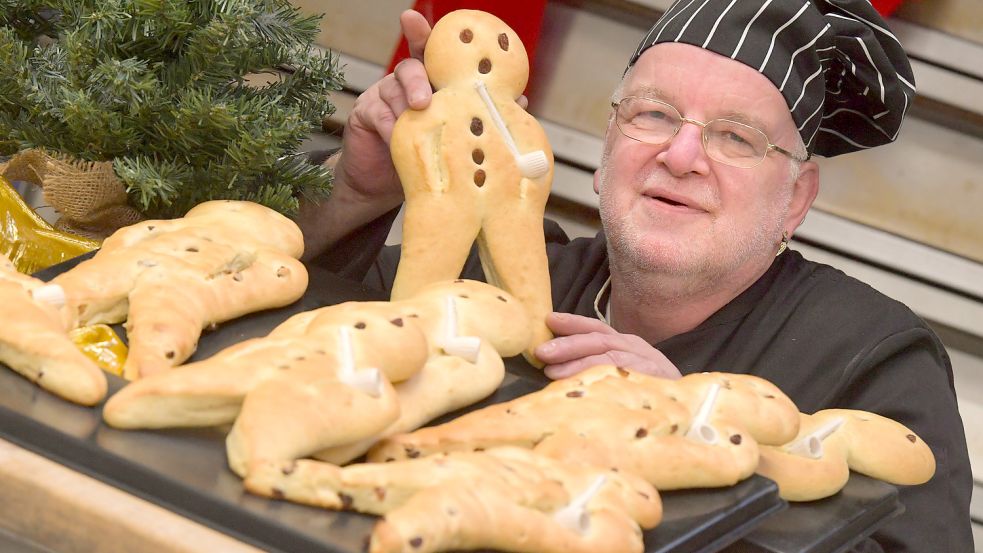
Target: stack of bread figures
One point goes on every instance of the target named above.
(167, 279)
(323, 380)
(703, 430)
(573, 467)
(478, 481)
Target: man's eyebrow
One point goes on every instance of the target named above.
(650, 91)
(656, 93)
(748, 120)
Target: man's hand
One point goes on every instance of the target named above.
(366, 166)
(366, 184)
(365, 181)
(583, 342)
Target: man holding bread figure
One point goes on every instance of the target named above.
(706, 172)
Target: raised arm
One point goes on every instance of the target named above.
(366, 185)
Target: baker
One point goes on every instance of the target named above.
(705, 174)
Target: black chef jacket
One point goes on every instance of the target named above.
(826, 339)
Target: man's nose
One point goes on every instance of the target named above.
(684, 153)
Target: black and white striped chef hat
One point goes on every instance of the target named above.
(843, 73)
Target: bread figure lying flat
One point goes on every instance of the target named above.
(700, 431)
(475, 165)
(170, 279)
(34, 341)
(831, 443)
(323, 378)
(457, 372)
(508, 499)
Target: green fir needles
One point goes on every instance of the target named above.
(160, 88)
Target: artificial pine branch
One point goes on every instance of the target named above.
(159, 87)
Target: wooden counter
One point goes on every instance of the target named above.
(58, 508)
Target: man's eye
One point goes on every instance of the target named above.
(655, 115)
(735, 138)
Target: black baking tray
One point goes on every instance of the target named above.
(831, 525)
(185, 470)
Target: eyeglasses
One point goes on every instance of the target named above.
(729, 142)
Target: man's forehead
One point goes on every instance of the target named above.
(670, 72)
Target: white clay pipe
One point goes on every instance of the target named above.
(369, 380)
(811, 445)
(575, 515)
(700, 429)
(465, 347)
(531, 165)
(51, 294)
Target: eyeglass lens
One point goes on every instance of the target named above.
(726, 141)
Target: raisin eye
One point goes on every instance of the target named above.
(503, 42)
(466, 36)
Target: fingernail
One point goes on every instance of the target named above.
(546, 347)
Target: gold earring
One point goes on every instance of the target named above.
(784, 243)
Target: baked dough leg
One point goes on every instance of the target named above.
(832, 442)
(513, 253)
(442, 213)
(507, 499)
(35, 343)
(290, 419)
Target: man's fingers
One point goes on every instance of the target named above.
(566, 348)
(570, 368)
(412, 77)
(393, 96)
(374, 115)
(566, 324)
(416, 29)
(522, 101)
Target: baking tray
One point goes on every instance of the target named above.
(831, 525)
(184, 470)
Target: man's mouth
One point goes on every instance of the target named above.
(669, 201)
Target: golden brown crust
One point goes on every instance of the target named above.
(34, 342)
(172, 278)
(460, 178)
(864, 442)
(617, 418)
(285, 391)
(448, 382)
(503, 499)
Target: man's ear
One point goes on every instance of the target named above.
(597, 181)
(804, 192)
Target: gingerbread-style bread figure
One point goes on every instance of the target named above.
(324, 378)
(700, 431)
(170, 279)
(34, 341)
(457, 372)
(507, 499)
(832, 442)
(475, 165)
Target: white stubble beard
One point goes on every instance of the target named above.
(681, 273)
